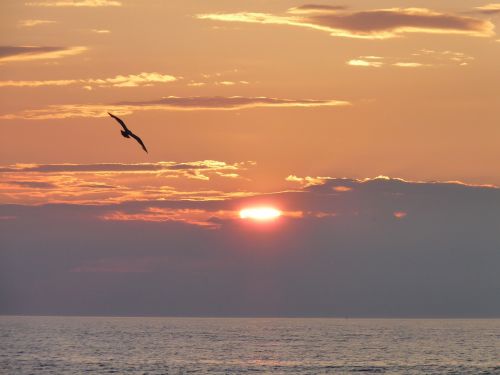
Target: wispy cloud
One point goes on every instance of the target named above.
(489, 9)
(408, 64)
(76, 3)
(117, 182)
(370, 24)
(422, 58)
(316, 8)
(119, 167)
(229, 77)
(171, 103)
(32, 23)
(60, 82)
(196, 84)
(365, 63)
(307, 181)
(230, 83)
(131, 80)
(100, 31)
(30, 53)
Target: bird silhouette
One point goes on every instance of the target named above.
(127, 133)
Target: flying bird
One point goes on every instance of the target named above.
(127, 133)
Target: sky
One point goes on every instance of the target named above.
(371, 126)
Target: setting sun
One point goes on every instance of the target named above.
(260, 213)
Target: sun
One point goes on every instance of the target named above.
(260, 213)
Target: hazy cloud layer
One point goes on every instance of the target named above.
(370, 24)
(131, 80)
(374, 247)
(170, 103)
(30, 53)
(76, 3)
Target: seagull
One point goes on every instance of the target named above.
(127, 133)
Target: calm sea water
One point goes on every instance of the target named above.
(75, 345)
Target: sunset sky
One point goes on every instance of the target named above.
(371, 126)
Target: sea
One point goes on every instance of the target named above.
(145, 345)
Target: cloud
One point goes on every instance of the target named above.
(314, 8)
(229, 83)
(371, 24)
(31, 184)
(489, 9)
(219, 79)
(131, 80)
(116, 182)
(384, 247)
(118, 167)
(307, 181)
(59, 82)
(365, 63)
(32, 23)
(170, 103)
(421, 58)
(30, 53)
(234, 102)
(400, 214)
(100, 31)
(196, 84)
(188, 216)
(408, 64)
(76, 3)
(210, 219)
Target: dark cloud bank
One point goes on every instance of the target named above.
(440, 260)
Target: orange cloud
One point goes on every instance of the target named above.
(115, 182)
(421, 58)
(32, 23)
(315, 8)
(365, 63)
(100, 31)
(30, 53)
(371, 24)
(170, 103)
(60, 82)
(489, 9)
(408, 64)
(400, 214)
(131, 80)
(342, 188)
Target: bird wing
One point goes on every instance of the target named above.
(120, 121)
(139, 140)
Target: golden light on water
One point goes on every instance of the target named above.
(260, 213)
